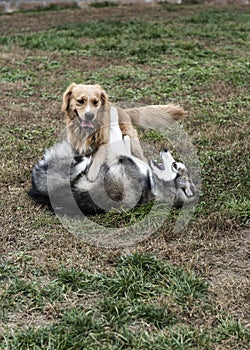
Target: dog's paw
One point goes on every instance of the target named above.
(127, 144)
(188, 190)
(93, 173)
(91, 176)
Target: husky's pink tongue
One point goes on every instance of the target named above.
(87, 124)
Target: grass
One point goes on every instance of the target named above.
(174, 290)
(141, 292)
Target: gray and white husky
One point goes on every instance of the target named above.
(60, 179)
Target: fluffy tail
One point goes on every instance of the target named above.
(156, 116)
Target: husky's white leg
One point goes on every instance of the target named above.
(115, 131)
(127, 144)
(118, 145)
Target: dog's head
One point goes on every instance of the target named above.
(86, 108)
(82, 102)
(168, 168)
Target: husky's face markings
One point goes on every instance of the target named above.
(170, 170)
(165, 170)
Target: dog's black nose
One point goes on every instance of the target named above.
(89, 116)
(165, 150)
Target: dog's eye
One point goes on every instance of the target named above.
(81, 101)
(175, 165)
(95, 102)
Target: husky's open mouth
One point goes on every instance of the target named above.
(161, 166)
(158, 164)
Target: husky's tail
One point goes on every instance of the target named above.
(156, 116)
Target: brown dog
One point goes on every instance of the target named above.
(87, 110)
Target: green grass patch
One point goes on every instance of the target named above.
(121, 39)
(142, 291)
(51, 7)
(103, 4)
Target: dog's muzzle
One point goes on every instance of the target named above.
(88, 116)
(86, 123)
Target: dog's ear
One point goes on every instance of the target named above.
(66, 97)
(104, 96)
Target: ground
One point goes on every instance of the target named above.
(183, 290)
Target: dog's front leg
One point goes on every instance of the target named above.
(136, 149)
(99, 159)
